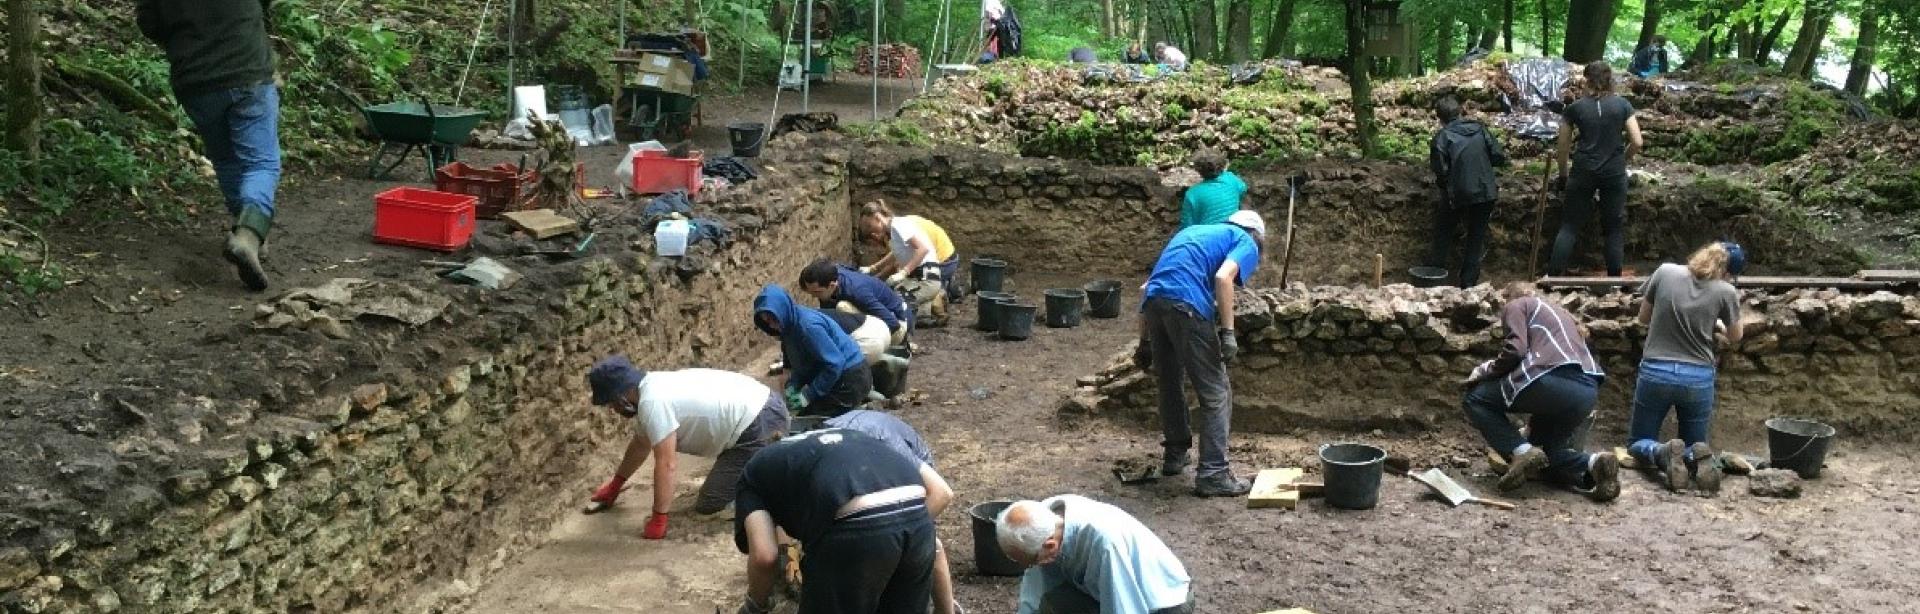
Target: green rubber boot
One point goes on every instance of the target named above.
(245, 245)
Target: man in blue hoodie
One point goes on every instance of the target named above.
(826, 374)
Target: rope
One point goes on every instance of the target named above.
(786, 50)
(874, 53)
(461, 92)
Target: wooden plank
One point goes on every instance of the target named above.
(1896, 276)
(1761, 282)
(1290, 611)
(541, 223)
(1273, 488)
(1590, 282)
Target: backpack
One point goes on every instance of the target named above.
(1009, 33)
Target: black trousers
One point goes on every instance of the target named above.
(1585, 192)
(1446, 224)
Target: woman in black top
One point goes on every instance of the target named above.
(1591, 136)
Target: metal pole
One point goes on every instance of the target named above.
(875, 53)
(513, 29)
(806, 66)
(622, 43)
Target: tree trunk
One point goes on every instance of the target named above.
(1153, 24)
(895, 21)
(1107, 26)
(1240, 30)
(524, 22)
(1506, 25)
(1206, 31)
(1473, 36)
(1443, 48)
(1861, 67)
(1749, 39)
(23, 83)
(1588, 22)
(1277, 33)
(1764, 54)
(1546, 27)
(1649, 24)
(1703, 50)
(1806, 44)
(1358, 79)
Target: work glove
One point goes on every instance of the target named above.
(1479, 373)
(897, 277)
(1229, 345)
(609, 491)
(656, 527)
(796, 400)
(866, 270)
(1143, 355)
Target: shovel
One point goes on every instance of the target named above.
(1438, 481)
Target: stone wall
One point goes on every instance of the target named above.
(1393, 358)
(394, 461)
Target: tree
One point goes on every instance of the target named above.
(1861, 66)
(1443, 54)
(1546, 27)
(1206, 31)
(1279, 29)
(1765, 53)
(1240, 30)
(1649, 23)
(1806, 44)
(23, 81)
(1506, 25)
(1588, 22)
(1359, 80)
(1108, 27)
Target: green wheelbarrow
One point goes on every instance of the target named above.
(436, 131)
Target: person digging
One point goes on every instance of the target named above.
(887, 371)
(859, 510)
(1218, 195)
(825, 371)
(221, 67)
(1545, 371)
(918, 249)
(1087, 557)
(1463, 155)
(1186, 327)
(900, 436)
(716, 414)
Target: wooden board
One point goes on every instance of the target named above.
(541, 223)
(1889, 276)
(1838, 283)
(1273, 488)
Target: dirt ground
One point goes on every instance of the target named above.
(989, 412)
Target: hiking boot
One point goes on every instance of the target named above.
(1706, 471)
(1603, 473)
(243, 250)
(1673, 454)
(1222, 484)
(1524, 467)
(1173, 462)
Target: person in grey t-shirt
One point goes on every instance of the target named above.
(1685, 309)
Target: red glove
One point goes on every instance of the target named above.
(609, 491)
(656, 527)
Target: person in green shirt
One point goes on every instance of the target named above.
(1218, 195)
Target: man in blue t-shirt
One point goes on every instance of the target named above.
(1217, 196)
(1186, 325)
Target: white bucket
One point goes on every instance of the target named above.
(670, 237)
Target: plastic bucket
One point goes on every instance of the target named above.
(988, 558)
(1427, 276)
(1064, 307)
(1800, 445)
(1016, 320)
(746, 138)
(989, 275)
(1352, 474)
(1103, 298)
(989, 305)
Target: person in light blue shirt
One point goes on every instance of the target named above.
(1186, 326)
(1084, 556)
(1218, 195)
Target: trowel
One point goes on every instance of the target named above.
(1441, 484)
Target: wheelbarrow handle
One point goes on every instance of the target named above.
(426, 104)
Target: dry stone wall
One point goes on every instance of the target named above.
(383, 491)
(1393, 358)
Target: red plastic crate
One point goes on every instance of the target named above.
(423, 218)
(503, 188)
(655, 173)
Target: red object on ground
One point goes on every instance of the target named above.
(423, 218)
(656, 527)
(655, 173)
(500, 189)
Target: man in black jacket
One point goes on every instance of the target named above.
(1463, 155)
(1650, 60)
(222, 73)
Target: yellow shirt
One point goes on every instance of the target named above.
(942, 244)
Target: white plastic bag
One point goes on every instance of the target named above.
(603, 125)
(529, 98)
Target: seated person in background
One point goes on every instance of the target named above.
(1087, 557)
(1082, 55)
(1219, 194)
(1170, 56)
(1137, 55)
(826, 373)
(842, 287)
(1650, 60)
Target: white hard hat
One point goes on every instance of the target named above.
(1250, 220)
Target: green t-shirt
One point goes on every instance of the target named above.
(1212, 201)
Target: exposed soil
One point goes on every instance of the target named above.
(989, 412)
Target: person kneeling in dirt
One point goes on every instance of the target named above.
(1546, 371)
(1219, 194)
(860, 511)
(1186, 325)
(721, 415)
(900, 436)
(1088, 557)
(1463, 155)
(826, 373)
(918, 248)
(1690, 311)
(887, 370)
(842, 287)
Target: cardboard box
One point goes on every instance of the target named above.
(663, 72)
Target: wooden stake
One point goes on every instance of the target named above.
(1540, 217)
(1379, 269)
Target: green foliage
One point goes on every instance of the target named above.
(31, 279)
(892, 131)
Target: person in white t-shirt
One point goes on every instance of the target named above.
(716, 414)
(1170, 56)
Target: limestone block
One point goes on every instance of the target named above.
(456, 381)
(369, 396)
(17, 566)
(243, 488)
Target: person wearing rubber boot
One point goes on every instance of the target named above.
(1087, 557)
(900, 436)
(1218, 195)
(222, 73)
(826, 374)
(1463, 155)
(858, 509)
(1545, 371)
(1186, 326)
(842, 287)
(1690, 311)
(871, 335)
(715, 414)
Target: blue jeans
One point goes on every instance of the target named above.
(241, 129)
(1686, 388)
(1558, 403)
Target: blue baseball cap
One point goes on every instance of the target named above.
(1736, 258)
(611, 377)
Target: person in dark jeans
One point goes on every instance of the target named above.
(1463, 155)
(826, 373)
(1545, 371)
(222, 73)
(1187, 329)
(1593, 167)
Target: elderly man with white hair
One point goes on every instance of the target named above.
(1084, 556)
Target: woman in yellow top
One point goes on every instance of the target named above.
(917, 247)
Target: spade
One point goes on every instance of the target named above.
(1452, 491)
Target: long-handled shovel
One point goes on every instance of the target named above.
(1540, 217)
(1438, 481)
(1286, 262)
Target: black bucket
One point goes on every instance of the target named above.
(989, 306)
(989, 275)
(1103, 298)
(746, 138)
(1427, 276)
(1800, 445)
(1064, 307)
(1016, 320)
(988, 558)
(1352, 474)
